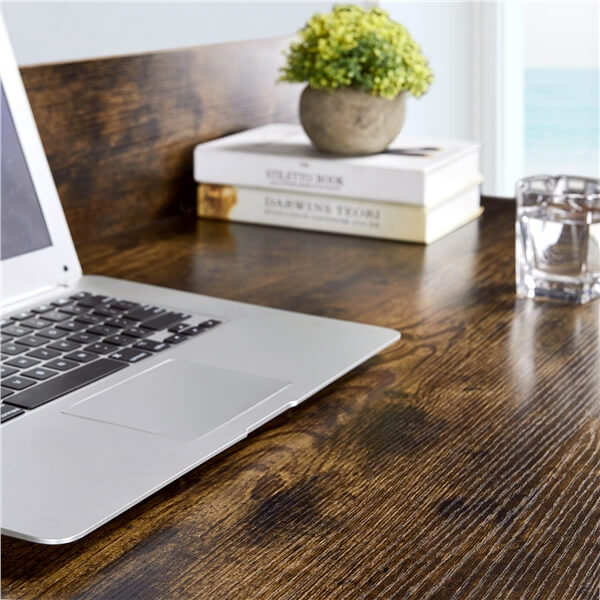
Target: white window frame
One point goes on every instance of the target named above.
(498, 93)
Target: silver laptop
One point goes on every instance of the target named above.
(113, 389)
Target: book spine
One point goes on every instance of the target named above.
(441, 183)
(331, 177)
(321, 213)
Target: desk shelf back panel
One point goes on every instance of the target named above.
(119, 132)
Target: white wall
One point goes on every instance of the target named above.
(62, 31)
(562, 34)
(444, 30)
(43, 32)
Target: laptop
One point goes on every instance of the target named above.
(112, 389)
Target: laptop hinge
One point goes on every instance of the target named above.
(38, 294)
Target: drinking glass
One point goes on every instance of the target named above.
(558, 238)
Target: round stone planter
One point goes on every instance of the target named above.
(350, 122)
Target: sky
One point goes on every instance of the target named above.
(562, 34)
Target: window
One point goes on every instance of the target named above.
(561, 88)
(537, 92)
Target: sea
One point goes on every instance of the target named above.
(562, 121)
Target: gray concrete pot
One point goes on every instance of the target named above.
(349, 121)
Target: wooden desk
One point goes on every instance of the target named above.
(464, 462)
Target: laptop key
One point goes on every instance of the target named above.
(16, 330)
(123, 305)
(119, 340)
(209, 323)
(164, 321)
(43, 353)
(83, 337)
(4, 338)
(102, 330)
(39, 373)
(80, 295)
(12, 349)
(131, 355)
(62, 302)
(93, 301)
(144, 313)
(6, 322)
(7, 371)
(151, 345)
(107, 312)
(22, 362)
(65, 383)
(75, 309)
(64, 345)
(33, 341)
(191, 331)
(61, 364)
(9, 412)
(138, 332)
(120, 323)
(81, 356)
(22, 316)
(35, 323)
(89, 319)
(175, 339)
(42, 308)
(56, 316)
(100, 348)
(178, 328)
(16, 382)
(71, 326)
(6, 392)
(52, 333)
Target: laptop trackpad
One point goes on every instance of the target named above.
(178, 399)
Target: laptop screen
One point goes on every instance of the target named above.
(23, 227)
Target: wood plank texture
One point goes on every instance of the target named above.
(463, 462)
(119, 132)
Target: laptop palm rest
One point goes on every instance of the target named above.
(178, 399)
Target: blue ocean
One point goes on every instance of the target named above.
(562, 121)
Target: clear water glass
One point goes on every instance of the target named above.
(558, 238)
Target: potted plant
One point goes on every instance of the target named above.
(359, 65)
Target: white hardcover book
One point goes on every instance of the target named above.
(339, 215)
(413, 170)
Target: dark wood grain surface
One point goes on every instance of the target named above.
(119, 131)
(463, 462)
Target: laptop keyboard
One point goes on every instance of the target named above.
(57, 348)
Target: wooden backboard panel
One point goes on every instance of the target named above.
(119, 132)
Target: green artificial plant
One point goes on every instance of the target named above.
(357, 48)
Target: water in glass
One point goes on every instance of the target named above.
(558, 238)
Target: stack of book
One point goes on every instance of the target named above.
(418, 190)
